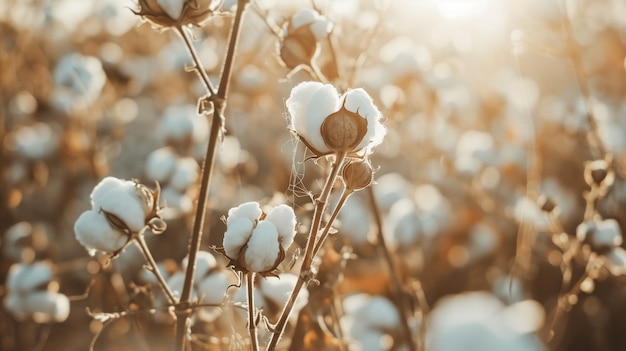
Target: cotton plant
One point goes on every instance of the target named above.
(31, 295)
(121, 212)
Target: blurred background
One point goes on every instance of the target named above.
(488, 105)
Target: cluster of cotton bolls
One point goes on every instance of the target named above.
(370, 322)
(480, 321)
(184, 132)
(32, 294)
(210, 287)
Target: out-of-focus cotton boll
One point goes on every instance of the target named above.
(205, 263)
(483, 240)
(355, 220)
(41, 306)
(175, 203)
(479, 319)
(389, 188)
(161, 164)
(474, 151)
(79, 81)
(185, 174)
(278, 289)
(404, 223)
(24, 278)
(368, 319)
(33, 142)
(182, 122)
(212, 290)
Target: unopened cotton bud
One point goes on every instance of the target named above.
(263, 250)
(284, 218)
(357, 175)
(237, 233)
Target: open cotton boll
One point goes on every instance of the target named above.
(355, 220)
(278, 289)
(93, 231)
(185, 174)
(284, 218)
(390, 188)
(309, 104)
(36, 141)
(263, 248)
(616, 261)
(24, 278)
(205, 262)
(241, 296)
(358, 101)
(126, 205)
(172, 199)
(47, 306)
(82, 74)
(319, 25)
(236, 236)
(160, 164)
(104, 186)
(303, 17)
(250, 210)
(176, 283)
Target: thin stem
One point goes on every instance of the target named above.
(219, 102)
(254, 341)
(305, 271)
(577, 65)
(565, 303)
(396, 282)
(198, 66)
(344, 196)
(143, 247)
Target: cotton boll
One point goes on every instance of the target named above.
(319, 25)
(241, 296)
(185, 174)
(616, 261)
(278, 290)
(390, 188)
(160, 164)
(34, 142)
(303, 17)
(379, 313)
(24, 278)
(309, 104)
(176, 283)
(180, 122)
(355, 220)
(359, 101)
(126, 205)
(205, 262)
(95, 234)
(236, 236)
(284, 218)
(104, 186)
(263, 248)
(46, 306)
(212, 290)
(250, 210)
